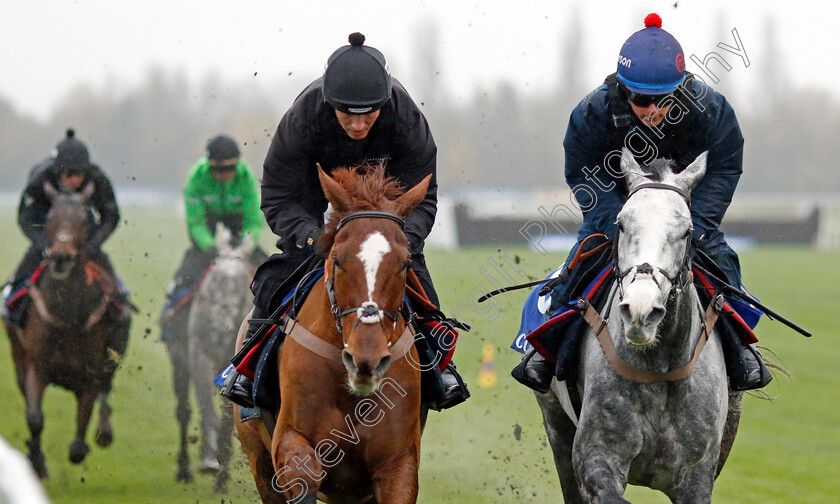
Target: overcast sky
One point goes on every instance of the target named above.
(47, 47)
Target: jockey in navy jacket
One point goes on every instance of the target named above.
(655, 109)
(591, 134)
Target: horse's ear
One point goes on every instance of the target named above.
(88, 191)
(692, 174)
(406, 203)
(222, 239)
(247, 244)
(631, 169)
(50, 191)
(335, 194)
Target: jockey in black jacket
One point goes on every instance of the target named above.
(652, 106)
(67, 169)
(356, 113)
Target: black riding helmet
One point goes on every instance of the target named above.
(71, 155)
(357, 80)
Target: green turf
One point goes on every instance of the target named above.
(492, 448)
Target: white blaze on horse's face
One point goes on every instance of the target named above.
(654, 225)
(371, 252)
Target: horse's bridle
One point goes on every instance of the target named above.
(368, 309)
(678, 280)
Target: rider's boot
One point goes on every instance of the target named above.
(534, 371)
(744, 365)
(238, 387)
(454, 389)
(754, 374)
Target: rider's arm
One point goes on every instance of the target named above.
(713, 194)
(252, 217)
(416, 158)
(194, 205)
(105, 202)
(594, 189)
(289, 180)
(32, 212)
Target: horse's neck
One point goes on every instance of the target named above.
(316, 317)
(71, 298)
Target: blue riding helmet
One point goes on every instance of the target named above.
(651, 61)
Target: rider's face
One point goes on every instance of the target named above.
(649, 114)
(71, 181)
(357, 126)
(224, 170)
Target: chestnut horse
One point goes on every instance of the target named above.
(349, 423)
(73, 336)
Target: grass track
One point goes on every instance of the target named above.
(787, 451)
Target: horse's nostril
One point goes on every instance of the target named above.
(382, 366)
(624, 312)
(349, 362)
(657, 313)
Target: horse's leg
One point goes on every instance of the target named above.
(730, 428)
(396, 481)
(561, 436)
(225, 433)
(18, 357)
(298, 472)
(203, 383)
(84, 407)
(177, 350)
(104, 434)
(253, 442)
(34, 392)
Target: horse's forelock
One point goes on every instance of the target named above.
(369, 189)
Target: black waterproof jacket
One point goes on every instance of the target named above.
(35, 204)
(309, 133)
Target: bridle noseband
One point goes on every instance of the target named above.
(369, 312)
(681, 278)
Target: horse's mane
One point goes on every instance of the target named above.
(67, 206)
(369, 188)
(660, 170)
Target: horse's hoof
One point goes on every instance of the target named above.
(184, 475)
(209, 464)
(104, 438)
(220, 488)
(78, 452)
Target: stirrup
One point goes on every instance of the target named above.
(239, 389)
(453, 393)
(533, 372)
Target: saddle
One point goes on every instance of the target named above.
(258, 361)
(17, 298)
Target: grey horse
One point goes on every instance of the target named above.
(220, 304)
(673, 432)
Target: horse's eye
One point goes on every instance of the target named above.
(406, 265)
(620, 226)
(336, 264)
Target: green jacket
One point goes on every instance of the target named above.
(236, 203)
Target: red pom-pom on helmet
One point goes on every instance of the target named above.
(653, 19)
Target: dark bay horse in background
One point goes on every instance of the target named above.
(222, 301)
(73, 336)
(665, 425)
(349, 423)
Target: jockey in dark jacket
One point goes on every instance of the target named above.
(220, 188)
(353, 115)
(68, 169)
(657, 110)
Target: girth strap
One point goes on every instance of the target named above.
(330, 352)
(624, 369)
